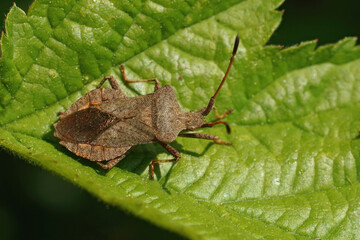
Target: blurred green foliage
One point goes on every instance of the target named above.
(38, 205)
(325, 20)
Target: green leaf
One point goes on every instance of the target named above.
(293, 169)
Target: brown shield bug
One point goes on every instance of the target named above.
(105, 124)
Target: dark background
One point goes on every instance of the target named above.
(36, 204)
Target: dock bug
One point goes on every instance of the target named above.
(105, 124)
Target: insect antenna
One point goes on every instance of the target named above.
(212, 99)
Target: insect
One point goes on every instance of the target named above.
(105, 124)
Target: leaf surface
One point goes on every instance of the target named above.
(292, 172)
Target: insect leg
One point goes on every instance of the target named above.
(171, 150)
(112, 81)
(221, 116)
(157, 83)
(218, 118)
(60, 114)
(215, 138)
(111, 163)
(211, 124)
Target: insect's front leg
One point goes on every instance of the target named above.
(221, 116)
(218, 120)
(211, 124)
(157, 83)
(215, 138)
(172, 151)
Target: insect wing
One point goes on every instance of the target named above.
(124, 133)
(83, 126)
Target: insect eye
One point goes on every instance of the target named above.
(187, 122)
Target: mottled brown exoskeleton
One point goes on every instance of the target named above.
(105, 124)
